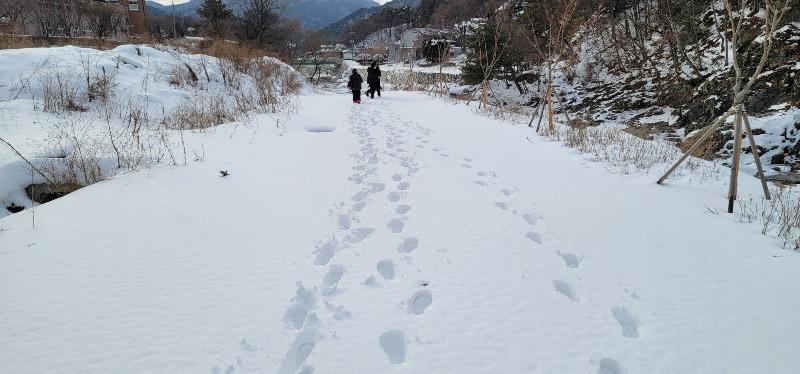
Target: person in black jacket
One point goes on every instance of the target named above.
(354, 84)
(374, 80)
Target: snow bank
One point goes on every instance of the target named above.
(55, 99)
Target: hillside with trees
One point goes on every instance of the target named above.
(660, 68)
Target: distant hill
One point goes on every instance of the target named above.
(312, 14)
(339, 27)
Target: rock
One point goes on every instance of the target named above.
(785, 178)
(45, 193)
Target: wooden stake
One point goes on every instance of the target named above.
(484, 95)
(550, 126)
(736, 157)
(756, 154)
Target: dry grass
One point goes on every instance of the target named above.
(200, 114)
(779, 216)
(181, 75)
(707, 151)
(75, 152)
(239, 55)
(619, 151)
(15, 42)
(61, 92)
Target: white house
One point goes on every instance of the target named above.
(409, 46)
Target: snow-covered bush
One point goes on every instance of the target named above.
(199, 114)
(92, 113)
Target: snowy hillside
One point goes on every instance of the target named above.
(81, 115)
(234, 220)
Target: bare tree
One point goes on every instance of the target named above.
(258, 20)
(103, 21)
(773, 14)
(553, 48)
(45, 18)
(319, 49)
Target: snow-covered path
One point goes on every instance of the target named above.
(415, 237)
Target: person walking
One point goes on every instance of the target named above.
(374, 80)
(354, 84)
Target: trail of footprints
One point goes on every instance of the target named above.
(301, 315)
(627, 321)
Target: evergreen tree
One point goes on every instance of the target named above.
(213, 14)
(495, 53)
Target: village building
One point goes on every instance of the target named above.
(408, 47)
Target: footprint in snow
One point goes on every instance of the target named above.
(343, 221)
(534, 237)
(360, 234)
(566, 289)
(467, 166)
(408, 245)
(530, 218)
(394, 197)
(467, 159)
(609, 366)
(481, 183)
(501, 205)
(302, 303)
(359, 196)
(629, 323)
(402, 209)
(396, 225)
(331, 279)
(403, 186)
(376, 187)
(301, 348)
(359, 205)
(326, 252)
(421, 300)
(386, 269)
(397, 177)
(507, 192)
(571, 260)
(393, 343)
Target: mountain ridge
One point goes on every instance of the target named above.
(312, 14)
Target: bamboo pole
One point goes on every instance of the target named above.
(756, 155)
(733, 188)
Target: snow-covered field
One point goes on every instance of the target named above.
(407, 234)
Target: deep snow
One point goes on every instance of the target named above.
(407, 234)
